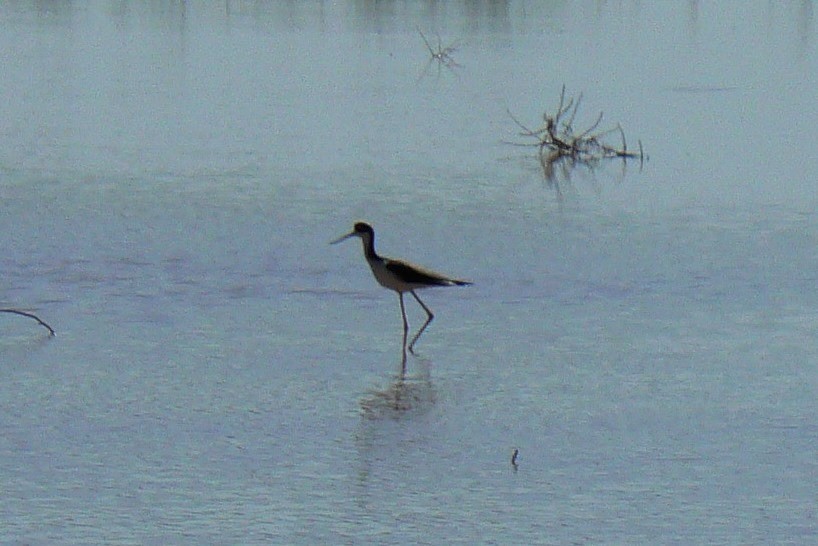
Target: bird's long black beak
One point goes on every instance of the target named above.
(343, 238)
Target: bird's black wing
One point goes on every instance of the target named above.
(415, 274)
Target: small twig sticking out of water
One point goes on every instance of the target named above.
(31, 316)
(570, 123)
(443, 55)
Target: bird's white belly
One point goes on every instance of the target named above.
(387, 279)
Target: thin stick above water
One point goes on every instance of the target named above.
(31, 316)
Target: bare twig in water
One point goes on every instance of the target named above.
(31, 316)
(443, 55)
(558, 143)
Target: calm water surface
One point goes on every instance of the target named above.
(171, 174)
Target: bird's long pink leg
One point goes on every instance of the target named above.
(405, 322)
(429, 317)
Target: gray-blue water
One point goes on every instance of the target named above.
(171, 174)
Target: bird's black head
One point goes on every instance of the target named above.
(362, 227)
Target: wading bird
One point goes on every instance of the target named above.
(399, 276)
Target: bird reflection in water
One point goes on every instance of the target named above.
(404, 394)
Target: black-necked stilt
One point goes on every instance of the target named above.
(399, 276)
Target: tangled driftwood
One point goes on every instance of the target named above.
(559, 143)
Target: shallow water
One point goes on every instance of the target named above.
(171, 175)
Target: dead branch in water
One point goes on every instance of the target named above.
(31, 316)
(558, 143)
(441, 55)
